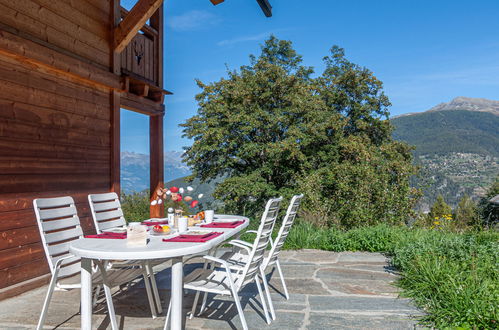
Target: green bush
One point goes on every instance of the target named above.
(135, 206)
(453, 277)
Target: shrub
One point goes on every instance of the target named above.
(135, 206)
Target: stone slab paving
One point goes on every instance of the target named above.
(327, 291)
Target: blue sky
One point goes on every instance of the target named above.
(425, 52)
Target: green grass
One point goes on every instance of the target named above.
(453, 277)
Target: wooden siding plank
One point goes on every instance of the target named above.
(19, 237)
(46, 133)
(61, 31)
(19, 93)
(19, 273)
(34, 149)
(49, 60)
(31, 114)
(33, 182)
(100, 14)
(21, 254)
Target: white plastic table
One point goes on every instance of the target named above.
(117, 249)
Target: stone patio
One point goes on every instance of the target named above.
(328, 290)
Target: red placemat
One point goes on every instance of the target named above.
(108, 236)
(233, 224)
(192, 238)
(154, 223)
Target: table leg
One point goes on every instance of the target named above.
(86, 294)
(177, 293)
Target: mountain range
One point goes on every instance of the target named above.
(457, 150)
(135, 169)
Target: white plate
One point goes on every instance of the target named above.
(171, 232)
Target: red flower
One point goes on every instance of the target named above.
(194, 203)
(174, 189)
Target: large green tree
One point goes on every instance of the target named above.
(272, 129)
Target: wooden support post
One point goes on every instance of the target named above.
(156, 161)
(116, 16)
(115, 142)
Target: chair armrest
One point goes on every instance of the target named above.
(59, 261)
(242, 244)
(251, 231)
(224, 263)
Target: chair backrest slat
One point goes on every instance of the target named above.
(69, 222)
(63, 235)
(106, 206)
(287, 222)
(70, 270)
(106, 211)
(262, 239)
(107, 215)
(63, 212)
(58, 224)
(106, 225)
(55, 250)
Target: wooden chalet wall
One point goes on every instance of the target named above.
(60, 97)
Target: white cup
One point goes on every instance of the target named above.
(208, 216)
(182, 224)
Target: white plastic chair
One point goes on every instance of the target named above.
(107, 214)
(59, 224)
(272, 259)
(230, 279)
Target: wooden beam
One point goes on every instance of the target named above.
(216, 2)
(115, 142)
(139, 89)
(156, 162)
(141, 104)
(133, 22)
(116, 18)
(266, 7)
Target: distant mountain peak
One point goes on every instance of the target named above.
(469, 104)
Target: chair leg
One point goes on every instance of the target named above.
(109, 297)
(168, 315)
(282, 279)
(239, 308)
(46, 303)
(150, 297)
(152, 278)
(267, 292)
(262, 298)
(193, 311)
(203, 305)
(96, 295)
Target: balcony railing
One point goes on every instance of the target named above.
(140, 59)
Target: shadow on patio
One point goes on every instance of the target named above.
(327, 290)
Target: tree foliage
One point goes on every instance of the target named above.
(466, 215)
(273, 129)
(440, 208)
(488, 210)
